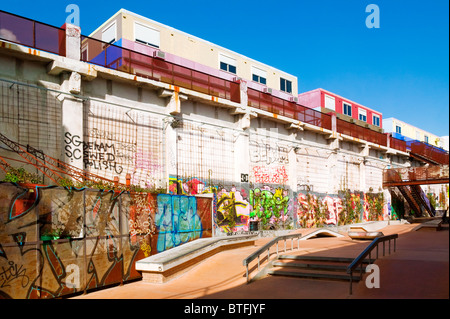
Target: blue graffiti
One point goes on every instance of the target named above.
(177, 221)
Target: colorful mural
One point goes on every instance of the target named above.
(58, 241)
(317, 210)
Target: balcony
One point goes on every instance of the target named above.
(279, 106)
(32, 34)
(126, 60)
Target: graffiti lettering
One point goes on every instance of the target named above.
(116, 229)
(270, 175)
(177, 221)
(11, 273)
(95, 155)
(232, 211)
(268, 154)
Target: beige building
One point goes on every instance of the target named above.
(397, 126)
(126, 26)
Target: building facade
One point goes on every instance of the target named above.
(345, 109)
(142, 34)
(402, 129)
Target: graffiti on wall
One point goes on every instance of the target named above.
(232, 211)
(270, 207)
(95, 155)
(103, 151)
(177, 221)
(270, 174)
(58, 241)
(265, 153)
(189, 186)
(269, 162)
(318, 210)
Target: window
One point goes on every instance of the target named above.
(109, 34)
(259, 75)
(398, 129)
(362, 115)
(426, 139)
(146, 35)
(330, 102)
(285, 85)
(227, 64)
(347, 108)
(376, 120)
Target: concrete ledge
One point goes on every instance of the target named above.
(172, 263)
(364, 235)
(435, 224)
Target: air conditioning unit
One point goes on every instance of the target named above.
(267, 90)
(293, 99)
(159, 55)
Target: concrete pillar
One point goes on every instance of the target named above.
(243, 92)
(72, 120)
(73, 41)
(242, 158)
(362, 168)
(171, 149)
(292, 157)
(72, 107)
(362, 176)
(333, 183)
(333, 122)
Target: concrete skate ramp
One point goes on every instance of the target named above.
(322, 233)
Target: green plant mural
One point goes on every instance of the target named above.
(269, 207)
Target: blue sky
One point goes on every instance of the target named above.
(400, 69)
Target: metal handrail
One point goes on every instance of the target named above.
(267, 247)
(358, 261)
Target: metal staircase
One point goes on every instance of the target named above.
(422, 200)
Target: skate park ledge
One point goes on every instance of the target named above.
(172, 263)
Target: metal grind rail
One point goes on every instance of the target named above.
(358, 261)
(266, 247)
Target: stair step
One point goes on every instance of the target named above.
(320, 258)
(312, 275)
(310, 266)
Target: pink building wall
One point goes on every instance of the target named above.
(316, 98)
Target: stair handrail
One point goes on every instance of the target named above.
(267, 247)
(358, 261)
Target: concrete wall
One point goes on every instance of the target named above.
(112, 124)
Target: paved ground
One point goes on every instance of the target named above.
(419, 269)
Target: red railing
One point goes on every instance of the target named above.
(397, 144)
(360, 132)
(126, 60)
(429, 152)
(32, 34)
(273, 104)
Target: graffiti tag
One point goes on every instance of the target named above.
(7, 275)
